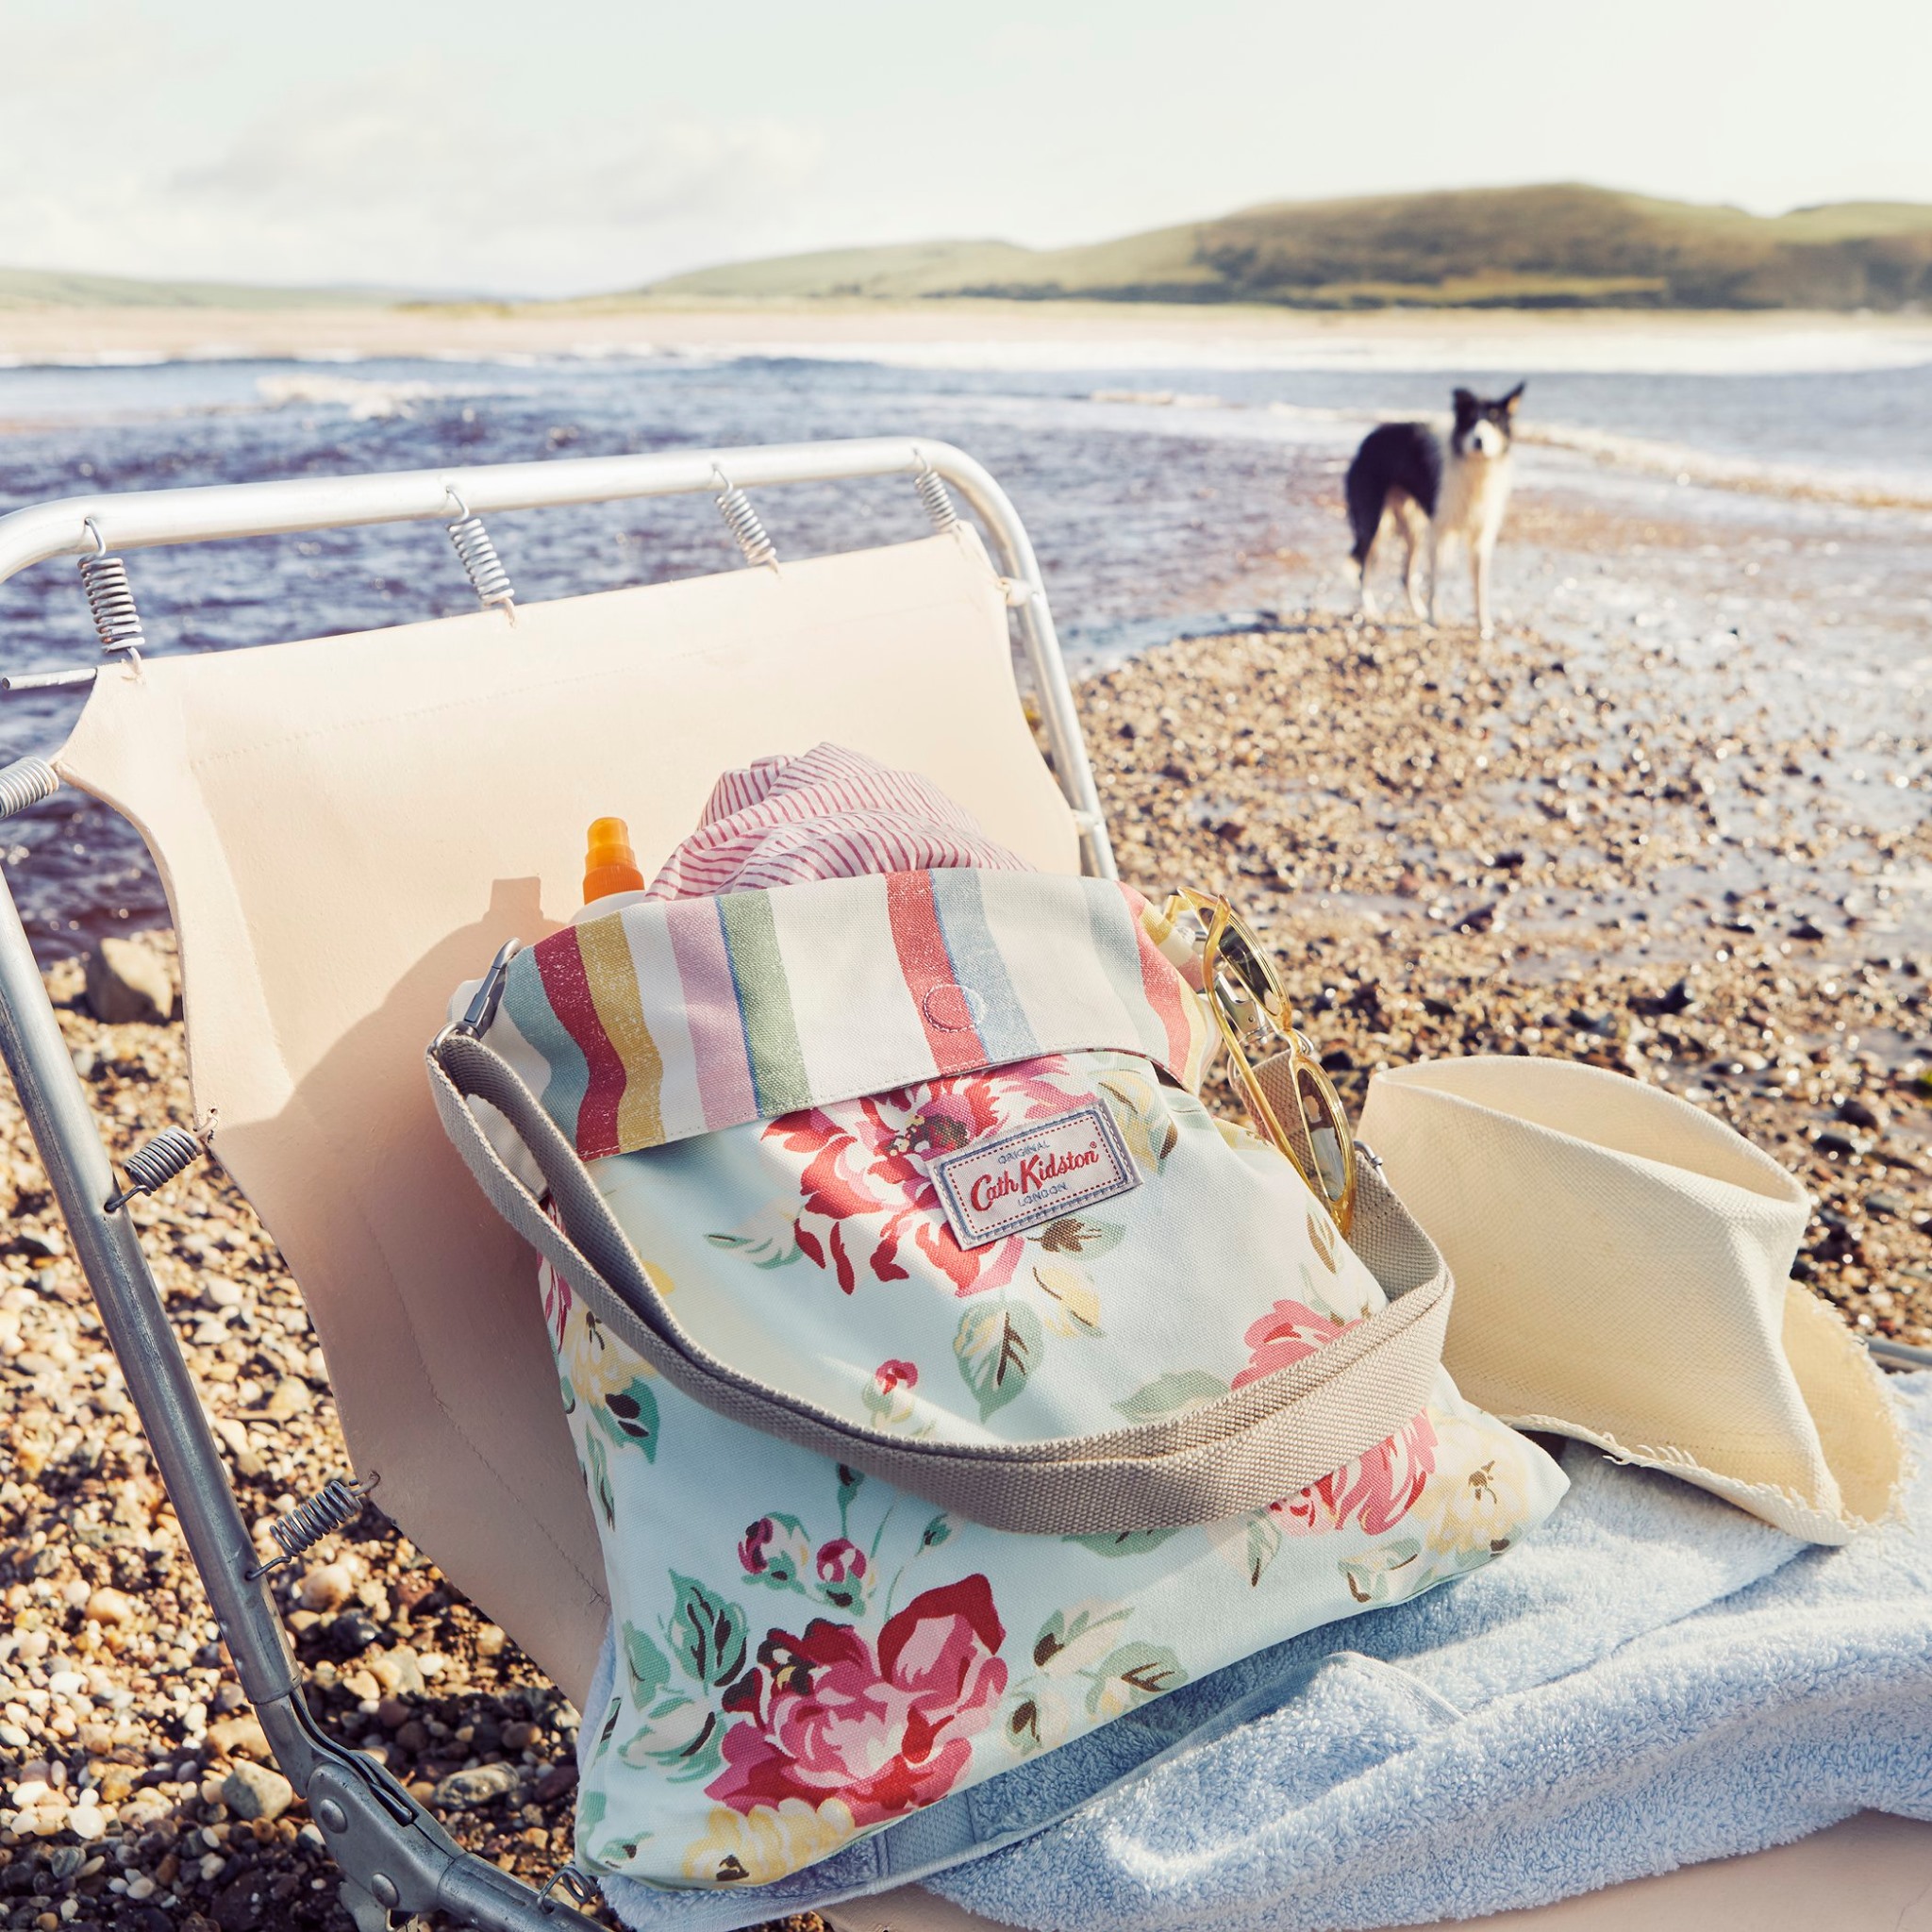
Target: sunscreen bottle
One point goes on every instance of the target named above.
(609, 864)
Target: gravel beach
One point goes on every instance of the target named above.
(1456, 847)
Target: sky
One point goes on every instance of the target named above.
(555, 150)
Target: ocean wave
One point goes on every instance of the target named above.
(1872, 489)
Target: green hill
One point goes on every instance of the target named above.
(34, 288)
(1558, 246)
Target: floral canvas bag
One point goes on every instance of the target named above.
(947, 1381)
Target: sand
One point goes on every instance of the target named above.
(1068, 334)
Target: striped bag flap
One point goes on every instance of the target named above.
(665, 1019)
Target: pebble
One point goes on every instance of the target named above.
(240, 1737)
(327, 1586)
(290, 1398)
(107, 1606)
(399, 1672)
(128, 982)
(253, 1791)
(463, 1789)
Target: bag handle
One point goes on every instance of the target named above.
(1238, 1453)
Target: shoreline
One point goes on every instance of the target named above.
(1005, 333)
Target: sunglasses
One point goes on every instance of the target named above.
(1290, 1094)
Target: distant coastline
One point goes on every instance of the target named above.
(1561, 247)
(977, 334)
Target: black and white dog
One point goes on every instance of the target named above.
(1402, 474)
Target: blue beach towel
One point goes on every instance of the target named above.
(1652, 1680)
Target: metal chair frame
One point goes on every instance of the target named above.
(396, 1858)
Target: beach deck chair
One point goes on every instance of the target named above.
(347, 827)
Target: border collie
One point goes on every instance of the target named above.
(1402, 474)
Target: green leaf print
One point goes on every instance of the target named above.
(1264, 1542)
(1074, 1307)
(1074, 1639)
(1368, 1576)
(591, 1806)
(1171, 1394)
(1037, 1720)
(768, 1240)
(1131, 1675)
(632, 1417)
(683, 1737)
(1125, 1542)
(707, 1634)
(936, 1531)
(850, 1482)
(605, 1736)
(599, 1477)
(1143, 1118)
(998, 1346)
(1069, 1235)
(649, 1668)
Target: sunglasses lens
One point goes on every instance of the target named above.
(1327, 1132)
(1239, 1006)
(1242, 957)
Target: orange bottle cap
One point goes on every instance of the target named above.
(609, 864)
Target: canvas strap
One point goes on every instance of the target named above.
(1238, 1453)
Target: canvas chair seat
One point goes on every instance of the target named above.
(348, 827)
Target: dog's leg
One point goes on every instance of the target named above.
(1415, 529)
(1368, 563)
(1479, 572)
(1437, 540)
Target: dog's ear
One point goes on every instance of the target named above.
(1466, 404)
(1508, 403)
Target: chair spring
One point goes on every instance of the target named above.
(576, 1885)
(110, 598)
(478, 557)
(25, 782)
(743, 521)
(155, 1162)
(332, 1505)
(939, 505)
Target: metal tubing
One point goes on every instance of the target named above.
(1898, 1355)
(1041, 642)
(138, 1328)
(77, 525)
(378, 1835)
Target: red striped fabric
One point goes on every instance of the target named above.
(828, 813)
(568, 986)
(944, 1012)
(1164, 987)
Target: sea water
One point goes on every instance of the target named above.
(1694, 514)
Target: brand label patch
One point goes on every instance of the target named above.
(1033, 1175)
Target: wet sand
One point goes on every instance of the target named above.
(1456, 847)
(1075, 334)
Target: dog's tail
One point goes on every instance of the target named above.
(1367, 490)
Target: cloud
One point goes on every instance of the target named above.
(404, 179)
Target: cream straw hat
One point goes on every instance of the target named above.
(1622, 1266)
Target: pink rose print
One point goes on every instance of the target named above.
(775, 1550)
(825, 1718)
(557, 1302)
(1377, 1490)
(890, 1375)
(841, 1574)
(865, 1184)
(1380, 1486)
(1285, 1334)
